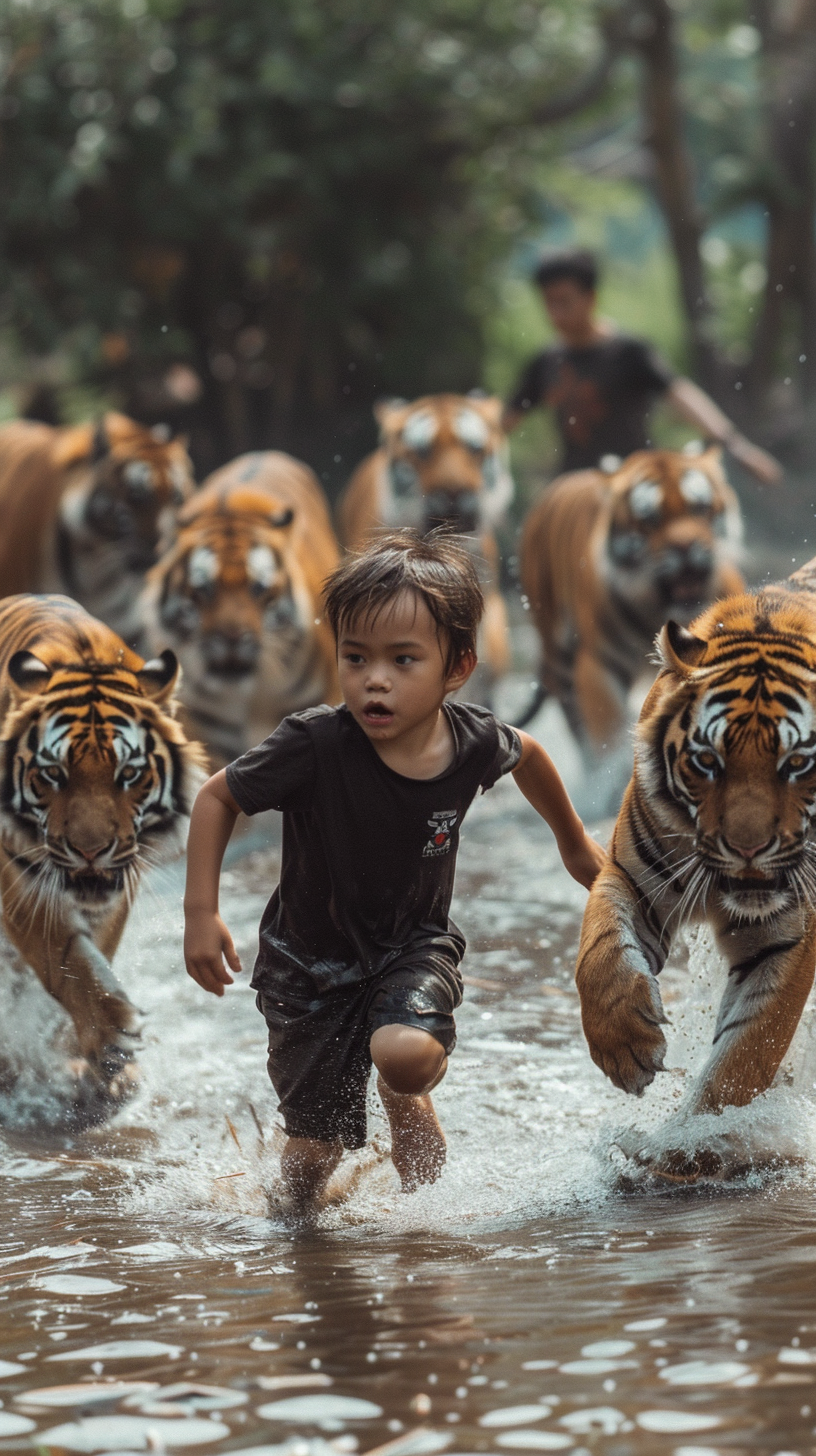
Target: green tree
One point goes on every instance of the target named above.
(301, 200)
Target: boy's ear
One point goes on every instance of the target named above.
(460, 672)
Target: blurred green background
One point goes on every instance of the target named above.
(253, 219)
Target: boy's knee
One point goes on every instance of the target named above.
(408, 1060)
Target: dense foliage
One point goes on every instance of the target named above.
(292, 208)
(301, 199)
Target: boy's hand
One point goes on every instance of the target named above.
(207, 944)
(584, 861)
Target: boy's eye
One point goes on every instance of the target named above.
(404, 658)
(353, 657)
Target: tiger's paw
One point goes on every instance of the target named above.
(119, 1074)
(100, 1087)
(625, 1039)
(671, 1164)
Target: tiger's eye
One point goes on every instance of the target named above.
(797, 761)
(707, 759)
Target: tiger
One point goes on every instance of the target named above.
(605, 559)
(718, 825)
(97, 782)
(238, 597)
(443, 461)
(83, 509)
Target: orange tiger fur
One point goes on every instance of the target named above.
(82, 509)
(718, 825)
(442, 461)
(607, 559)
(239, 598)
(97, 780)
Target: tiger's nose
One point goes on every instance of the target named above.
(747, 851)
(89, 852)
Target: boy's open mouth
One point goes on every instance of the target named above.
(377, 713)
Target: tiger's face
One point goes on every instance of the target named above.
(95, 775)
(226, 583)
(446, 463)
(138, 478)
(731, 744)
(672, 518)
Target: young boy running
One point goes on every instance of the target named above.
(359, 960)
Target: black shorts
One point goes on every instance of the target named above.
(319, 1058)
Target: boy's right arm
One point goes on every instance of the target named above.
(207, 942)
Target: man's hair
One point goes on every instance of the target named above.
(575, 263)
(435, 567)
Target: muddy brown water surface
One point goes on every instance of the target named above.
(545, 1295)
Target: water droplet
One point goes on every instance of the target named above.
(79, 1395)
(704, 1372)
(514, 1415)
(76, 1284)
(122, 1350)
(535, 1440)
(668, 1422)
(134, 1433)
(316, 1408)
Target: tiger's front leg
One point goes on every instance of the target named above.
(77, 973)
(618, 959)
(770, 977)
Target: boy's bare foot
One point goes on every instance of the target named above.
(418, 1148)
(306, 1167)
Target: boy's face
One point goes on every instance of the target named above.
(392, 668)
(570, 308)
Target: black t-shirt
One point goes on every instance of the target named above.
(368, 855)
(601, 396)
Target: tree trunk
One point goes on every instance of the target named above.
(653, 38)
(788, 314)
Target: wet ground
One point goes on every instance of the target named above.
(544, 1296)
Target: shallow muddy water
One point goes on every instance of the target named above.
(544, 1296)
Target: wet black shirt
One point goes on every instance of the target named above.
(368, 855)
(601, 396)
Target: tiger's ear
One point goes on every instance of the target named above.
(489, 406)
(388, 413)
(283, 518)
(29, 673)
(679, 650)
(159, 676)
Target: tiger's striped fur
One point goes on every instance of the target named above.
(238, 596)
(717, 825)
(606, 559)
(443, 460)
(83, 509)
(97, 783)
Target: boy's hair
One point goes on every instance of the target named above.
(577, 264)
(436, 567)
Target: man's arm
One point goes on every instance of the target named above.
(207, 942)
(540, 783)
(695, 406)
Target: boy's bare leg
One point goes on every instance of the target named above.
(410, 1063)
(306, 1167)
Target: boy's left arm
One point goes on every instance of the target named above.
(540, 782)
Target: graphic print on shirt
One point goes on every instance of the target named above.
(442, 825)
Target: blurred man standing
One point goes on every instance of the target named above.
(602, 385)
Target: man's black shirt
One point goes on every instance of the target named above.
(601, 396)
(368, 854)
